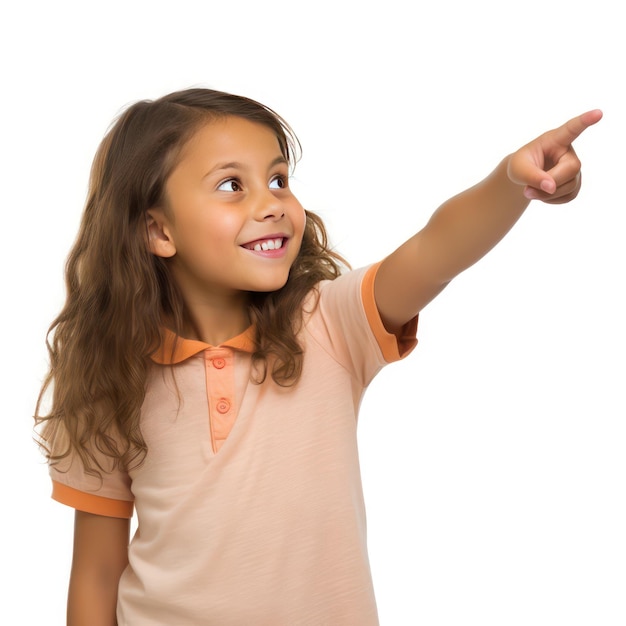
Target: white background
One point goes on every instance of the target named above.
(493, 458)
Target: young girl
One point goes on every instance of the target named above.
(207, 368)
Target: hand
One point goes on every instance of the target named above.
(548, 166)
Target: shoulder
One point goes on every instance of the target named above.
(347, 289)
(345, 310)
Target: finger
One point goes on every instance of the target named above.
(563, 193)
(525, 167)
(566, 169)
(566, 134)
(562, 199)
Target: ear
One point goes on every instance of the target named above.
(159, 234)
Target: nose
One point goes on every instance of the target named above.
(268, 208)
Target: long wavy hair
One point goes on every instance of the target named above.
(119, 293)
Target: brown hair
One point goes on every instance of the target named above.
(118, 293)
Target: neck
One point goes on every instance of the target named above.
(216, 322)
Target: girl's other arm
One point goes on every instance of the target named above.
(470, 224)
(99, 558)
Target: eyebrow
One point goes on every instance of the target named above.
(235, 165)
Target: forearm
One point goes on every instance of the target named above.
(100, 556)
(459, 233)
(91, 601)
(469, 225)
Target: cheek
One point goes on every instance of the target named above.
(211, 227)
(299, 222)
(223, 226)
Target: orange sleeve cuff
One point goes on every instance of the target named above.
(90, 503)
(393, 347)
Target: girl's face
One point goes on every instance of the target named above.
(231, 223)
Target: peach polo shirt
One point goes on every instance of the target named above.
(249, 503)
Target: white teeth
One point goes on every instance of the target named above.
(270, 244)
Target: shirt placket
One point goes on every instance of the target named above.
(220, 386)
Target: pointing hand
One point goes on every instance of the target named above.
(548, 166)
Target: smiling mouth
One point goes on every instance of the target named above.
(265, 244)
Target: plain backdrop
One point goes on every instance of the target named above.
(493, 458)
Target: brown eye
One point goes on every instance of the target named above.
(230, 185)
(279, 182)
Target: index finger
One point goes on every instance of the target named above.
(566, 134)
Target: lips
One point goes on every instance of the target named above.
(268, 243)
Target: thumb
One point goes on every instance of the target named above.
(525, 168)
(547, 186)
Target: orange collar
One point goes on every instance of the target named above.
(175, 349)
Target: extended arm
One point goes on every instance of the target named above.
(470, 224)
(99, 558)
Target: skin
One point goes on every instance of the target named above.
(99, 558)
(469, 225)
(225, 194)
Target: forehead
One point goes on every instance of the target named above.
(230, 138)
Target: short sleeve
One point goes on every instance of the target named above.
(345, 321)
(108, 494)
(394, 346)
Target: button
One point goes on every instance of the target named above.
(219, 363)
(222, 406)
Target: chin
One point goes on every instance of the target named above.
(268, 286)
